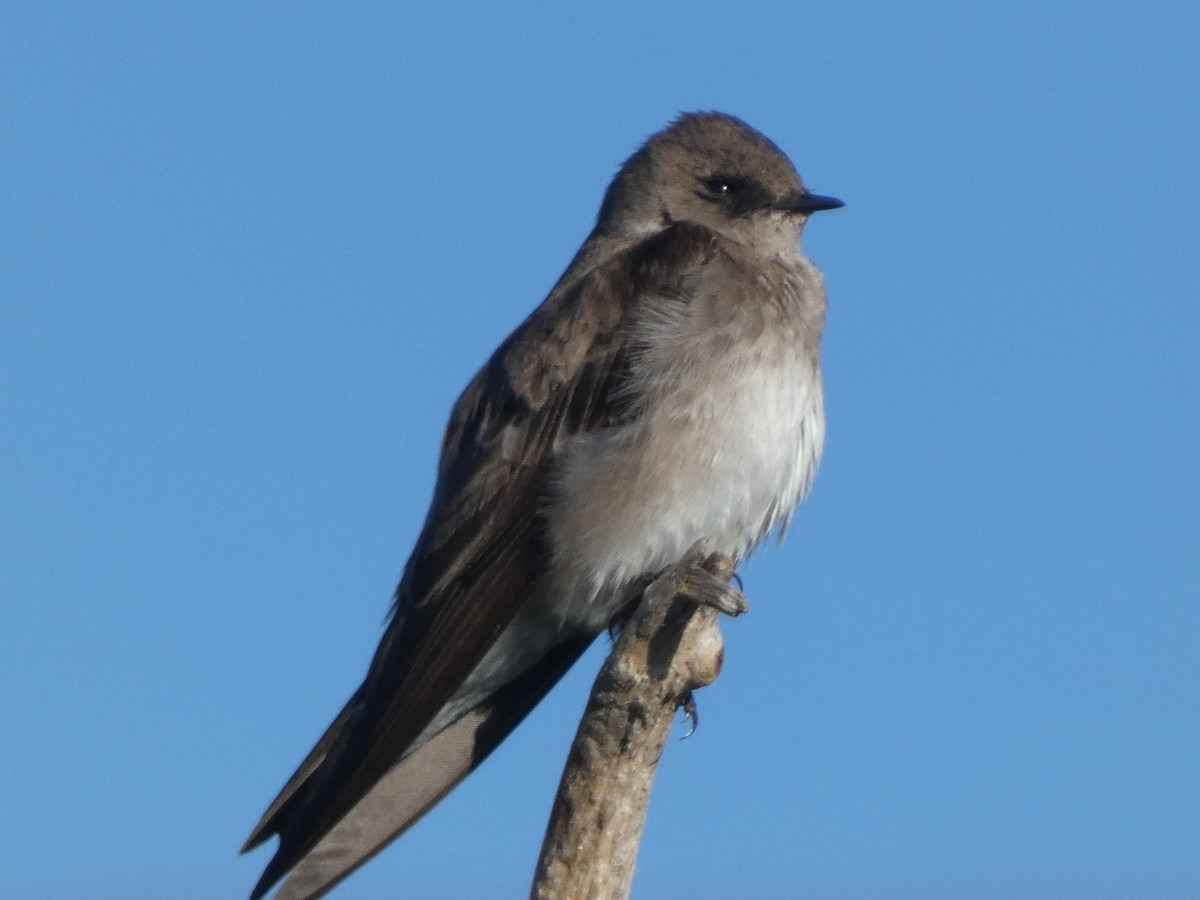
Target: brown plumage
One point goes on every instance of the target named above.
(486, 574)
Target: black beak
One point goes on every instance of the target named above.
(809, 203)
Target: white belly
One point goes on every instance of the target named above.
(722, 455)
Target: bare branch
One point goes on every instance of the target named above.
(670, 647)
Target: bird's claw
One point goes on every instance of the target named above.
(691, 713)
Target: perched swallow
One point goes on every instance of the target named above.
(666, 392)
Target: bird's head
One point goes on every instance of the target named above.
(717, 171)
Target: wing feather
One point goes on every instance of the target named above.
(561, 373)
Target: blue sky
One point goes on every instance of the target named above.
(250, 254)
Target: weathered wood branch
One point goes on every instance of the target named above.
(670, 647)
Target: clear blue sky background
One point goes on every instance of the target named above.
(251, 253)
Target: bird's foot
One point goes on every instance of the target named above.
(703, 578)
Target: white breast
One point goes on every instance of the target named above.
(728, 442)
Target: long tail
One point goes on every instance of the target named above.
(406, 792)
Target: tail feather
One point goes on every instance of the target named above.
(269, 823)
(398, 800)
(406, 792)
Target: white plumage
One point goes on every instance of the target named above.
(729, 445)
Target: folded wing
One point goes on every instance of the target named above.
(560, 374)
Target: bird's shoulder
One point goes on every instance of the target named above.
(586, 317)
(565, 351)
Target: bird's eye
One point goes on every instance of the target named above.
(719, 186)
(736, 195)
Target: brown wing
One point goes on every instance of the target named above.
(558, 375)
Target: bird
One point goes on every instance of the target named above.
(667, 393)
